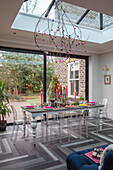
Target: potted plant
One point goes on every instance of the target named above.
(81, 100)
(3, 106)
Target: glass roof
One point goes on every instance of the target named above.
(36, 7)
(91, 20)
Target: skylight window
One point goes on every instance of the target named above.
(92, 19)
(37, 7)
(89, 22)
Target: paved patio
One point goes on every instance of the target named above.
(17, 106)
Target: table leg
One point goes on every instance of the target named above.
(34, 126)
(100, 119)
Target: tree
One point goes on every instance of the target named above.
(24, 72)
(50, 71)
(53, 87)
(21, 69)
(30, 6)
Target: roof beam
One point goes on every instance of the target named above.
(101, 21)
(82, 17)
(49, 8)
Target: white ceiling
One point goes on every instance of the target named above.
(25, 39)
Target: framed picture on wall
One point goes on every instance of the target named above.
(107, 79)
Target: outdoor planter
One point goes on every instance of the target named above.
(4, 109)
(3, 125)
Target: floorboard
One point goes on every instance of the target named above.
(47, 155)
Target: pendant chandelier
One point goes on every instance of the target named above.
(60, 33)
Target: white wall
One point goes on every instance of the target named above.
(94, 89)
(97, 89)
(107, 90)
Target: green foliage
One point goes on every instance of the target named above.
(21, 70)
(53, 86)
(81, 98)
(50, 72)
(3, 101)
(76, 103)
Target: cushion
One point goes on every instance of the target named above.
(78, 161)
(108, 161)
(89, 167)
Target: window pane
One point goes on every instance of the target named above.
(77, 87)
(76, 74)
(23, 75)
(71, 72)
(51, 78)
(72, 87)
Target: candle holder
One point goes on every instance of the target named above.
(53, 100)
(41, 105)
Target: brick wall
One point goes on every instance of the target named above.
(82, 78)
(61, 70)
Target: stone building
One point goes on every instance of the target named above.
(72, 73)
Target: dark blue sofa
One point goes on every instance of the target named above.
(78, 161)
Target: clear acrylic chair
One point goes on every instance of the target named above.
(16, 123)
(52, 124)
(73, 121)
(93, 117)
(92, 120)
(71, 124)
(105, 110)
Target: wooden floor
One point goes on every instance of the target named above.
(24, 156)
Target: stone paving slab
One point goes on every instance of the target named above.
(17, 106)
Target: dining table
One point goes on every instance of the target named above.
(37, 112)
